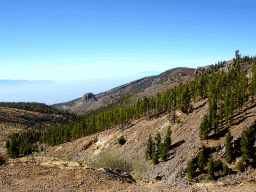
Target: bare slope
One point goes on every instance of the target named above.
(185, 140)
(63, 167)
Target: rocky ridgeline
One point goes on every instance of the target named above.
(226, 66)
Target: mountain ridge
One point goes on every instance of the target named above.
(82, 107)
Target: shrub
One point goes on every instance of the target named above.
(3, 159)
(121, 140)
(118, 159)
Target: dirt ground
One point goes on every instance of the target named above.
(70, 177)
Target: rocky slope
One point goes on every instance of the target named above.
(65, 167)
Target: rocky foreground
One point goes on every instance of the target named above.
(54, 175)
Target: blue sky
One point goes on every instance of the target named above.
(103, 41)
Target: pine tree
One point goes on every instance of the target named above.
(154, 154)
(148, 152)
(162, 151)
(218, 165)
(158, 141)
(247, 143)
(210, 169)
(190, 169)
(231, 106)
(7, 143)
(228, 147)
(203, 129)
(240, 165)
(210, 116)
(200, 161)
(227, 109)
(167, 139)
(216, 125)
(225, 169)
(221, 112)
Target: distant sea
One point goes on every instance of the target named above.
(52, 92)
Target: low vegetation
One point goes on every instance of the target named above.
(3, 158)
(118, 159)
(121, 140)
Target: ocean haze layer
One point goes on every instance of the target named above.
(51, 92)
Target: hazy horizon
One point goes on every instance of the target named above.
(77, 41)
(53, 92)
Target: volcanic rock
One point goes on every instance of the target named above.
(88, 96)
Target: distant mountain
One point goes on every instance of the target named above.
(154, 83)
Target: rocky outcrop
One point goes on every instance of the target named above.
(88, 96)
(202, 70)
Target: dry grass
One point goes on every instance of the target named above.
(133, 164)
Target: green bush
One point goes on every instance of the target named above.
(121, 140)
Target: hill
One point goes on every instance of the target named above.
(187, 133)
(17, 120)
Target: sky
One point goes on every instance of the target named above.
(94, 45)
